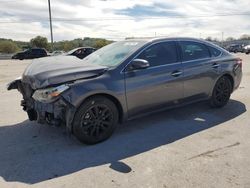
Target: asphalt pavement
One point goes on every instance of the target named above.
(191, 146)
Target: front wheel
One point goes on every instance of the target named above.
(221, 92)
(96, 120)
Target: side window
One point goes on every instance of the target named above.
(78, 52)
(160, 54)
(38, 52)
(28, 51)
(214, 52)
(44, 52)
(83, 51)
(33, 51)
(193, 50)
(88, 50)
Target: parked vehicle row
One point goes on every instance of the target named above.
(235, 48)
(125, 80)
(33, 53)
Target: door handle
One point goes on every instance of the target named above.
(215, 65)
(176, 73)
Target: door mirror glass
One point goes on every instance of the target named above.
(137, 64)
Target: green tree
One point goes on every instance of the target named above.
(39, 42)
(99, 43)
(8, 46)
(245, 37)
(230, 39)
(209, 39)
(68, 45)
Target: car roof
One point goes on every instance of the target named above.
(83, 48)
(161, 39)
(156, 39)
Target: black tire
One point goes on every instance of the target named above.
(95, 120)
(221, 92)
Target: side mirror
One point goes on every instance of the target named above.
(137, 64)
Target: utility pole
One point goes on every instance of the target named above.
(222, 38)
(51, 31)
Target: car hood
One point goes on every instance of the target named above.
(19, 53)
(48, 71)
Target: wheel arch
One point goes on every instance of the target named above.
(230, 77)
(110, 97)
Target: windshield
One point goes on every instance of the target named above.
(71, 51)
(28, 50)
(113, 54)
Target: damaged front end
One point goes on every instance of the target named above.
(45, 105)
(44, 85)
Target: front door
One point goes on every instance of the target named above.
(157, 85)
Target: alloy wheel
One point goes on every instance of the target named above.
(96, 120)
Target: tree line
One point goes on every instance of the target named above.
(11, 46)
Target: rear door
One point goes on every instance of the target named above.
(199, 69)
(43, 53)
(158, 85)
(34, 53)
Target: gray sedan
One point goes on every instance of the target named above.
(125, 80)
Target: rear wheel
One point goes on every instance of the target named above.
(96, 120)
(221, 92)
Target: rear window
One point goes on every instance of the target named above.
(193, 50)
(38, 51)
(214, 52)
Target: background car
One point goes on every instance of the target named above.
(57, 52)
(247, 49)
(81, 52)
(31, 54)
(235, 48)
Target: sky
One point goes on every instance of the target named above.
(118, 19)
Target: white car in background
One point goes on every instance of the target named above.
(58, 52)
(247, 49)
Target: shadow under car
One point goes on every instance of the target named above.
(32, 153)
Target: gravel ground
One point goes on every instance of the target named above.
(192, 146)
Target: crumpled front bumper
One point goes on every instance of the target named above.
(56, 113)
